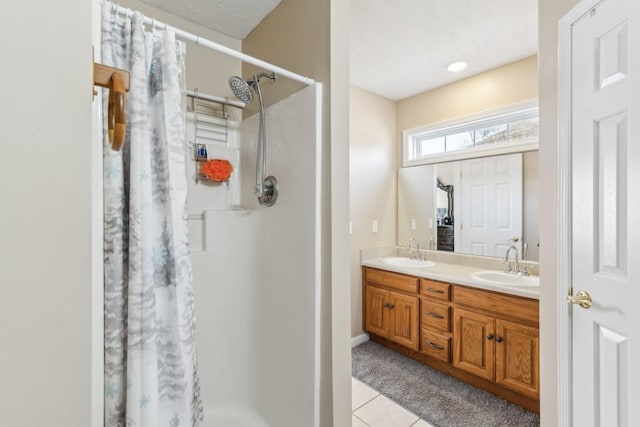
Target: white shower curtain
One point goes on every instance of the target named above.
(151, 377)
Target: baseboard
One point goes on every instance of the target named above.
(363, 337)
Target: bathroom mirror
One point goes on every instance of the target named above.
(495, 200)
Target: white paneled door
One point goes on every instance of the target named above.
(605, 183)
(490, 205)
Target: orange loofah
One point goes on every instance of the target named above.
(216, 170)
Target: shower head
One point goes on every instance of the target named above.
(241, 89)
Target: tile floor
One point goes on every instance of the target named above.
(371, 409)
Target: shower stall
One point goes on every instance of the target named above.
(257, 281)
(256, 261)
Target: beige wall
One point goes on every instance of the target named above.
(373, 183)
(340, 267)
(295, 36)
(549, 12)
(303, 36)
(45, 223)
(502, 86)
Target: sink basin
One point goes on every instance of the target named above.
(506, 278)
(407, 262)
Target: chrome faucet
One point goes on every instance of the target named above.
(509, 268)
(413, 255)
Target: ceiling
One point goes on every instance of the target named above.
(235, 18)
(400, 48)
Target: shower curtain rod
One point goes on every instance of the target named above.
(215, 46)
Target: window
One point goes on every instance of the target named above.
(504, 131)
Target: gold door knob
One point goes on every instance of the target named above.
(582, 298)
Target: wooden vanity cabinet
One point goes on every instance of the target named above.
(517, 357)
(488, 339)
(474, 349)
(496, 337)
(392, 307)
(498, 350)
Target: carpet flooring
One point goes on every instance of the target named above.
(432, 395)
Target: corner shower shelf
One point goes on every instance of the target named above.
(200, 156)
(211, 126)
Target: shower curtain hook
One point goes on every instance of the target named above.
(153, 25)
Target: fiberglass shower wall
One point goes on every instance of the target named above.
(257, 283)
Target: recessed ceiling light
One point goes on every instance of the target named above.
(456, 66)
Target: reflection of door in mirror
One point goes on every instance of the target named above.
(490, 200)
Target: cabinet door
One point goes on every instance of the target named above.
(403, 327)
(517, 357)
(375, 311)
(473, 343)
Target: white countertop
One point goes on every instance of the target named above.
(458, 274)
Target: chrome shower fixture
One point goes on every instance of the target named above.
(266, 187)
(242, 88)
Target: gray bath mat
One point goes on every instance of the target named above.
(433, 396)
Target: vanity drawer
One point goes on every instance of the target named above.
(497, 304)
(445, 244)
(435, 290)
(435, 316)
(435, 345)
(392, 280)
(445, 231)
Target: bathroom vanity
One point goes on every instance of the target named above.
(482, 333)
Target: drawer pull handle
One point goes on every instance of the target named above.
(437, 316)
(437, 291)
(436, 346)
